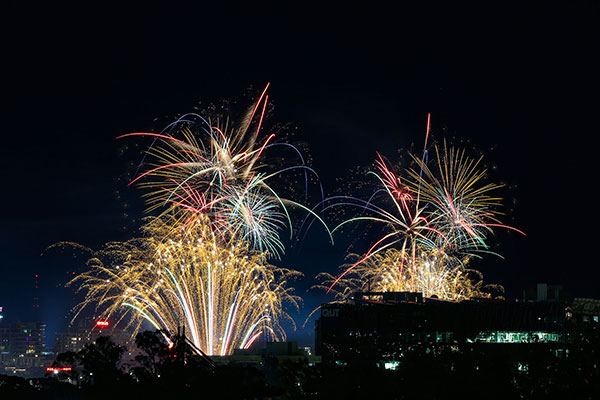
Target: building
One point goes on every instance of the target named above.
(85, 331)
(72, 340)
(278, 352)
(585, 312)
(23, 348)
(35, 301)
(545, 292)
(378, 327)
(3, 334)
(27, 338)
(4, 339)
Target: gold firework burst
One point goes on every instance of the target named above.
(225, 295)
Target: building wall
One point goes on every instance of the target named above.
(378, 330)
(23, 349)
(27, 338)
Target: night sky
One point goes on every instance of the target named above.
(519, 82)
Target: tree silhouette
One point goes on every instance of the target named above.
(154, 351)
(101, 363)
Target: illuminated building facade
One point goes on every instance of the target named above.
(86, 331)
(23, 348)
(27, 338)
(379, 327)
(585, 312)
(72, 340)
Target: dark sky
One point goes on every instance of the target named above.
(521, 79)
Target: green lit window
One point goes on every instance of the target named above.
(392, 365)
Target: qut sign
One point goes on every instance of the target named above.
(330, 312)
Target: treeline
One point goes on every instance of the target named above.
(161, 372)
(158, 371)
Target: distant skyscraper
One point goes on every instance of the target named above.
(27, 338)
(22, 348)
(4, 334)
(85, 331)
(36, 290)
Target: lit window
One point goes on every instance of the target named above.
(391, 365)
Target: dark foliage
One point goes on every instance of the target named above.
(425, 372)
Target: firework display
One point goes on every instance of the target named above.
(437, 218)
(432, 273)
(216, 168)
(224, 295)
(462, 209)
(202, 263)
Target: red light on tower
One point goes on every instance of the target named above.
(102, 324)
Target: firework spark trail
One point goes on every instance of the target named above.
(428, 245)
(219, 170)
(434, 274)
(407, 230)
(424, 158)
(224, 294)
(463, 207)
